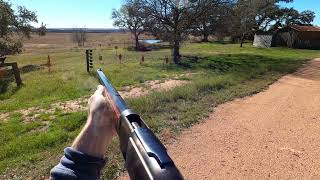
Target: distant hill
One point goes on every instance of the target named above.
(89, 30)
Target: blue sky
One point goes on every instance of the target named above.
(97, 13)
(313, 5)
(72, 13)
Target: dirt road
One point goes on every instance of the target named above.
(274, 134)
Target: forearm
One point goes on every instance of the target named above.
(93, 139)
(84, 159)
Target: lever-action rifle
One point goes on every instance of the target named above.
(145, 156)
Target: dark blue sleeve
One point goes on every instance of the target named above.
(77, 165)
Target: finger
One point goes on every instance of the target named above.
(105, 93)
(102, 90)
(113, 106)
(99, 90)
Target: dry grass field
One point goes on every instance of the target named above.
(54, 42)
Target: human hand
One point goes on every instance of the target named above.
(102, 113)
(100, 127)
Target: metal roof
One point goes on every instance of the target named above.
(305, 28)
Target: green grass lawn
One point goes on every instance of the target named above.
(69, 79)
(224, 72)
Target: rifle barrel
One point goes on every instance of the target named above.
(119, 102)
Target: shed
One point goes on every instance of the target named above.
(294, 36)
(263, 40)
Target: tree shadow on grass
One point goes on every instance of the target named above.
(6, 90)
(150, 48)
(30, 68)
(8, 78)
(241, 63)
(4, 83)
(223, 42)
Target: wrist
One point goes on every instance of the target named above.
(98, 120)
(99, 131)
(93, 140)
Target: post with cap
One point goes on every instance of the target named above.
(89, 59)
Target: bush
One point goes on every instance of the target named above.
(10, 47)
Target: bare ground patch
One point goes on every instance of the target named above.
(80, 104)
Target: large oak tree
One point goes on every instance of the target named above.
(171, 20)
(130, 17)
(250, 16)
(14, 25)
(215, 20)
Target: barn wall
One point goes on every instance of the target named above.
(293, 39)
(286, 39)
(308, 40)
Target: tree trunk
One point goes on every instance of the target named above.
(242, 40)
(136, 37)
(176, 52)
(205, 37)
(205, 32)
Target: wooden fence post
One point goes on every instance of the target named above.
(16, 73)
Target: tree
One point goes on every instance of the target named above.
(271, 16)
(14, 23)
(290, 16)
(171, 20)
(250, 16)
(79, 36)
(129, 16)
(42, 30)
(214, 20)
(243, 18)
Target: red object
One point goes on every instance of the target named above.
(3, 72)
(305, 28)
